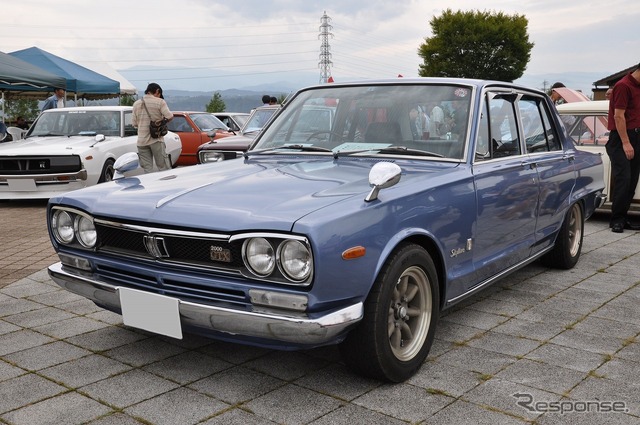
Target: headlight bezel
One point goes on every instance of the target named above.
(282, 273)
(284, 263)
(57, 218)
(78, 222)
(82, 220)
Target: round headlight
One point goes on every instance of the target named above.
(62, 225)
(85, 231)
(259, 256)
(295, 260)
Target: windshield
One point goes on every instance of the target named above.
(207, 122)
(258, 119)
(425, 120)
(241, 119)
(72, 123)
(587, 129)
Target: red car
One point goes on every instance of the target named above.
(194, 129)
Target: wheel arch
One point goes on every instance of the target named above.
(429, 244)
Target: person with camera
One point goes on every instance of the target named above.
(151, 107)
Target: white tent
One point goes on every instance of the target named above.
(126, 87)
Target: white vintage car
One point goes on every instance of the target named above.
(586, 123)
(70, 148)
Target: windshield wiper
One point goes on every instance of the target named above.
(297, 147)
(50, 134)
(403, 150)
(305, 148)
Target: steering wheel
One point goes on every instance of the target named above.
(315, 134)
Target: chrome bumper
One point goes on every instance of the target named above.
(272, 326)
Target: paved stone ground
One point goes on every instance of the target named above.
(24, 243)
(538, 342)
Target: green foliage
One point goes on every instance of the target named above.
(216, 104)
(476, 44)
(127, 100)
(26, 108)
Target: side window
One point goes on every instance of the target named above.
(180, 124)
(503, 131)
(536, 125)
(553, 140)
(129, 129)
(482, 145)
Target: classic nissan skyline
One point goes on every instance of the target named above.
(357, 235)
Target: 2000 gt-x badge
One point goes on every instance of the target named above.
(217, 253)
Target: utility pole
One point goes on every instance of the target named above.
(325, 55)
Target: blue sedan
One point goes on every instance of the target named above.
(356, 228)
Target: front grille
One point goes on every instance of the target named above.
(186, 248)
(22, 165)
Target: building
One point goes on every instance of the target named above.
(601, 86)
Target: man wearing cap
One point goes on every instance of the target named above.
(54, 101)
(151, 107)
(623, 148)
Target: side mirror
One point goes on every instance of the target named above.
(100, 138)
(382, 176)
(127, 162)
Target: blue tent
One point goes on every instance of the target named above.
(83, 82)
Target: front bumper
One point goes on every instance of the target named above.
(277, 327)
(28, 186)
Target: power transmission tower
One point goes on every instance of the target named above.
(325, 55)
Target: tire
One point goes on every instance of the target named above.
(107, 171)
(400, 317)
(566, 251)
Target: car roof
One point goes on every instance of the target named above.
(90, 108)
(586, 107)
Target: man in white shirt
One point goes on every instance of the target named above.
(54, 101)
(437, 120)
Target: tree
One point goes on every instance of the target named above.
(26, 108)
(216, 104)
(127, 100)
(483, 45)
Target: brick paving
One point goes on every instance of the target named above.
(25, 247)
(536, 341)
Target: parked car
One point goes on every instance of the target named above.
(231, 147)
(586, 123)
(70, 148)
(354, 235)
(194, 129)
(234, 120)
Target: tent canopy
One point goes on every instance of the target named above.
(17, 75)
(126, 87)
(81, 81)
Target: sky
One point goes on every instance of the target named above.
(209, 45)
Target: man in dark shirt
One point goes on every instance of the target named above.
(623, 148)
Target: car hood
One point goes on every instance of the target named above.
(237, 142)
(232, 195)
(54, 145)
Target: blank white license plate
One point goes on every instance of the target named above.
(152, 312)
(22, 185)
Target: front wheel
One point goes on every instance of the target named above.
(107, 171)
(400, 318)
(566, 251)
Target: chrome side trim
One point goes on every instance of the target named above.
(497, 277)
